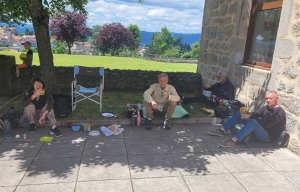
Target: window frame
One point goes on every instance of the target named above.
(255, 8)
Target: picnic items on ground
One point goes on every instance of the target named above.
(108, 114)
(87, 126)
(134, 112)
(107, 131)
(94, 133)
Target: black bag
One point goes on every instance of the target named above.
(62, 105)
(222, 112)
(12, 116)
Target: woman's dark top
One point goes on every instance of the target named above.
(40, 102)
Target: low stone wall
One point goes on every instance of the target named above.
(175, 60)
(114, 79)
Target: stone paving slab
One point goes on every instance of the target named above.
(152, 165)
(186, 158)
(106, 185)
(52, 170)
(160, 184)
(55, 187)
(265, 181)
(216, 183)
(104, 168)
(19, 150)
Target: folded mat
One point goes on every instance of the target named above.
(179, 112)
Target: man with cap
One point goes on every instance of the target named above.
(27, 59)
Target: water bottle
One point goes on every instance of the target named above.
(138, 118)
(133, 119)
(7, 128)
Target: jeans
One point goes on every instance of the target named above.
(250, 126)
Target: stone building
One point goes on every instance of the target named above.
(258, 43)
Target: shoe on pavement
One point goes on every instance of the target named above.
(227, 144)
(218, 132)
(32, 128)
(148, 124)
(55, 132)
(167, 125)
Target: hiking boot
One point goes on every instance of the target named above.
(32, 128)
(227, 144)
(148, 124)
(218, 132)
(167, 125)
(55, 132)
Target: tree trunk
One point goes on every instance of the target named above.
(40, 21)
(69, 48)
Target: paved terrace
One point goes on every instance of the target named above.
(183, 159)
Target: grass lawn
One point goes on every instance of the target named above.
(113, 101)
(111, 62)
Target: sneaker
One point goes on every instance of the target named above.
(17, 79)
(32, 128)
(148, 124)
(55, 132)
(218, 132)
(167, 125)
(227, 144)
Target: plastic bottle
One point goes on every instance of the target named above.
(7, 128)
(138, 118)
(133, 119)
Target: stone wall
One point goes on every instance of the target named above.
(114, 79)
(222, 46)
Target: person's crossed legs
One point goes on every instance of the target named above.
(250, 125)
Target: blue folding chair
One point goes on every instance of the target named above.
(80, 93)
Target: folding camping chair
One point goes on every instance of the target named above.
(80, 93)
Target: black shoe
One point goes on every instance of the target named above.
(55, 132)
(32, 128)
(167, 125)
(148, 124)
(17, 79)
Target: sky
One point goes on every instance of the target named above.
(179, 16)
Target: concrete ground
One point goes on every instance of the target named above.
(183, 159)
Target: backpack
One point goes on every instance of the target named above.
(10, 118)
(62, 105)
(228, 108)
(222, 112)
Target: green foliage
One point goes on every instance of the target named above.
(60, 47)
(186, 55)
(34, 49)
(4, 45)
(136, 33)
(173, 52)
(162, 41)
(28, 32)
(195, 49)
(128, 53)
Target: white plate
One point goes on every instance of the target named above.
(94, 133)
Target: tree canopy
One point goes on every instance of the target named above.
(136, 33)
(114, 36)
(38, 12)
(70, 28)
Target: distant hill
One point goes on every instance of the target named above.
(187, 37)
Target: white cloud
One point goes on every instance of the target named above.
(151, 15)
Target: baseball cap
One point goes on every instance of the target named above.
(27, 42)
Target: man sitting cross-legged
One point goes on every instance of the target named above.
(267, 123)
(162, 98)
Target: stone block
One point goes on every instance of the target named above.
(233, 7)
(206, 19)
(284, 48)
(291, 103)
(281, 86)
(229, 30)
(290, 88)
(297, 11)
(204, 43)
(214, 4)
(298, 60)
(285, 18)
(294, 146)
(296, 29)
(221, 33)
(290, 72)
(211, 31)
(224, 46)
(224, 10)
(290, 123)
